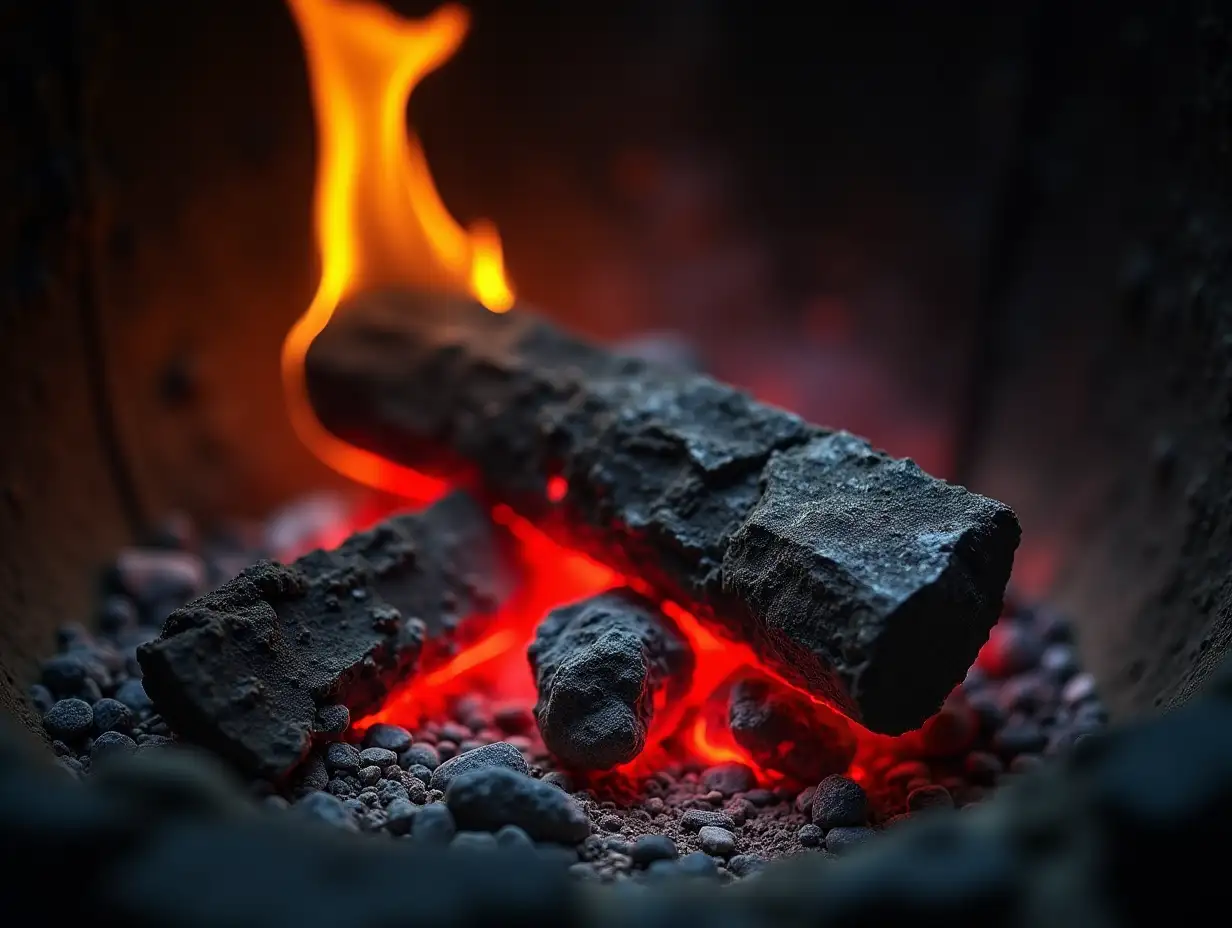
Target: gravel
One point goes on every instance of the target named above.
(839, 802)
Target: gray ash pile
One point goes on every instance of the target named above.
(480, 777)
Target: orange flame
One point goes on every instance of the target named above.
(379, 219)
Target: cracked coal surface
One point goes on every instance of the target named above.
(482, 781)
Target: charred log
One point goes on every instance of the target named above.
(599, 665)
(861, 577)
(243, 670)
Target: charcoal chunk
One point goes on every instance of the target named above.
(837, 563)
(390, 737)
(498, 754)
(420, 754)
(111, 744)
(244, 669)
(378, 757)
(69, 719)
(839, 802)
(113, 715)
(788, 733)
(842, 839)
(697, 819)
(649, 848)
(599, 665)
(718, 842)
(332, 721)
(489, 798)
(728, 779)
(342, 758)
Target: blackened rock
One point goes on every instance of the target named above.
(113, 715)
(132, 693)
(649, 848)
(839, 564)
(697, 819)
(312, 773)
(810, 836)
(420, 754)
(498, 754)
(718, 842)
(400, 816)
(111, 744)
(743, 865)
(244, 669)
(332, 721)
(342, 758)
(839, 802)
(69, 675)
(378, 757)
(844, 838)
(728, 779)
(434, 824)
(390, 737)
(322, 807)
(599, 665)
(853, 564)
(786, 732)
(69, 719)
(490, 797)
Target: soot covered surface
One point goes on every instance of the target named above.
(479, 776)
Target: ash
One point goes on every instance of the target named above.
(482, 778)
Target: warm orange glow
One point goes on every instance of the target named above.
(379, 219)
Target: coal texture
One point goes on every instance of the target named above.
(489, 798)
(839, 564)
(244, 669)
(599, 665)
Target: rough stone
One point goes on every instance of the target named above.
(489, 798)
(69, 719)
(718, 842)
(322, 807)
(244, 669)
(842, 839)
(696, 819)
(838, 563)
(377, 757)
(390, 737)
(342, 758)
(728, 779)
(498, 754)
(113, 715)
(332, 721)
(839, 802)
(649, 848)
(111, 744)
(422, 755)
(786, 732)
(599, 666)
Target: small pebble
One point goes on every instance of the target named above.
(929, 797)
(718, 842)
(486, 798)
(500, 754)
(332, 721)
(391, 737)
(453, 731)
(69, 719)
(132, 693)
(113, 715)
(649, 848)
(810, 836)
(563, 782)
(696, 819)
(697, 864)
(434, 824)
(511, 836)
(839, 802)
(653, 806)
(804, 800)
(369, 775)
(323, 807)
(743, 865)
(342, 757)
(447, 749)
(420, 772)
(759, 797)
(399, 816)
(611, 823)
(471, 841)
(420, 754)
(380, 757)
(111, 744)
(844, 838)
(728, 779)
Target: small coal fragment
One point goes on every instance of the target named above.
(599, 665)
(244, 669)
(420, 754)
(390, 737)
(399, 816)
(342, 758)
(332, 721)
(69, 720)
(786, 732)
(743, 865)
(845, 837)
(111, 744)
(113, 715)
(132, 693)
(377, 757)
(649, 848)
(839, 564)
(489, 798)
(810, 836)
(697, 819)
(839, 802)
(728, 779)
(717, 842)
(498, 754)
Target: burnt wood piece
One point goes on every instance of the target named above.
(243, 669)
(599, 665)
(859, 576)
